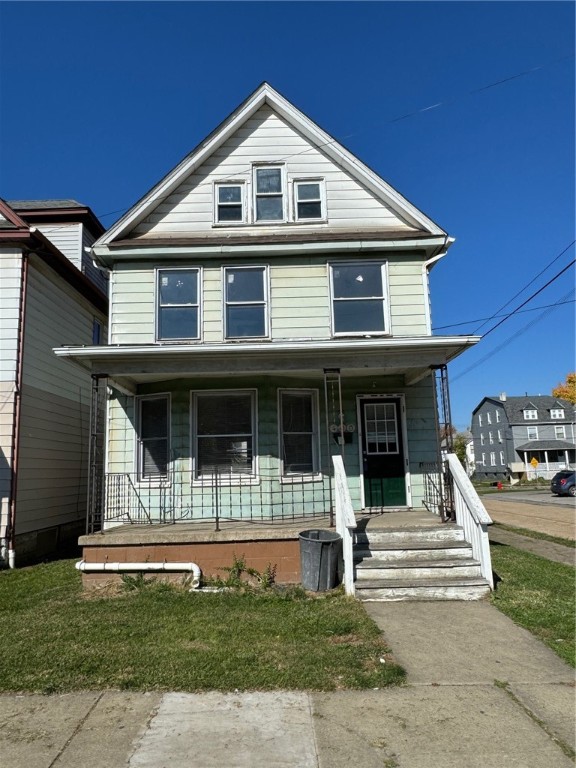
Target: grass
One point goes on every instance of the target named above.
(535, 534)
(54, 638)
(538, 595)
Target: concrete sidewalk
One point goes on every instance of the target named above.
(560, 553)
(481, 693)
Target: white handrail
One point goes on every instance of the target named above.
(345, 522)
(472, 516)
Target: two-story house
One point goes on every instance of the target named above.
(269, 307)
(50, 294)
(516, 437)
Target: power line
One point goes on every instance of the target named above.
(520, 312)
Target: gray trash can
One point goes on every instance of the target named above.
(320, 555)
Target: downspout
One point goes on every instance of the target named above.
(426, 267)
(11, 532)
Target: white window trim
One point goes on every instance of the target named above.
(502, 459)
(295, 183)
(492, 459)
(497, 416)
(482, 438)
(479, 419)
(530, 414)
(243, 201)
(559, 427)
(186, 339)
(284, 186)
(491, 438)
(154, 481)
(267, 321)
(535, 428)
(557, 413)
(499, 436)
(316, 474)
(489, 418)
(253, 478)
(483, 459)
(385, 299)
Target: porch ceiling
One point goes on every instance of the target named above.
(408, 357)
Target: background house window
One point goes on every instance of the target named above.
(96, 332)
(229, 202)
(308, 200)
(269, 202)
(483, 459)
(489, 418)
(499, 436)
(530, 413)
(153, 436)
(559, 432)
(482, 438)
(245, 289)
(490, 438)
(224, 433)
(358, 299)
(497, 416)
(532, 433)
(479, 419)
(178, 304)
(492, 459)
(557, 413)
(299, 433)
(502, 459)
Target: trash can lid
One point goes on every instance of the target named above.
(319, 534)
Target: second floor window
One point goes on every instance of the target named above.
(178, 304)
(359, 305)
(559, 432)
(246, 302)
(532, 433)
(269, 194)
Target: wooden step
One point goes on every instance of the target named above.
(430, 589)
(419, 550)
(417, 570)
(408, 536)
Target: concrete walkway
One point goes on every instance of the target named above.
(481, 693)
(548, 549)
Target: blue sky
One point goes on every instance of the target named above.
(99, 100)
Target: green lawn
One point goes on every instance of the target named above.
(535, 534)
(55, 638)
(537, 594)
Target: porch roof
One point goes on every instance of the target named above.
(546, 445)
(410, 357)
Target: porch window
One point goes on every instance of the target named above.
(359, 304)
(153, 436)
(229, 203)
(308, 200)
(224, 433)
(269, 194)
(246, 302)
(299, 432)
(178, 304)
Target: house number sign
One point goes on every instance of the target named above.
(346, 427)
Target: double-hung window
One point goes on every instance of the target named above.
(502, 458)
(269, 194)
(308, 200)
(229, 203)
(359, 303)
(246, 293)
(299, 431)
(532, 433)
(153, 436)
(530, 413)
(557, 413)
(224, 433)
(559, 432)
(178, 304)
(492, 459)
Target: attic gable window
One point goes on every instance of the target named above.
(359, 300)
(269, 194)
(530, 413)
(308, 200)
(229, 203)
(557, 413)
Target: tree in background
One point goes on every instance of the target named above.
(460, 441)
(567, 389)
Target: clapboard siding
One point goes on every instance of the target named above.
(6, 422)
(266, 137)
(97, 276)
(52, 471)
(67, 238)
(299, 299)
(10, 286)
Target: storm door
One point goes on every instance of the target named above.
(382, 453)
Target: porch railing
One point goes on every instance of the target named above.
(345, 522)
(217, 497)
(471, 515)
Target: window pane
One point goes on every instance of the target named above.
(178, 287)
(154, 457)
(178, 323)
(365, 316)
(229, 195)
(309, 210)
(269, 208)
(224, 414)
(153, 418)
(351, 281)
(229, 213)
(268, 180)
(225, 454)
(245, 284)
(308, 191)
(298, 454)
(245, 321)
(297, 412)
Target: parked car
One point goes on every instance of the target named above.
(564, 483)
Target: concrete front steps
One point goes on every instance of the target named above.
(419, 563)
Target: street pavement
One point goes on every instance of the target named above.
(537, 511)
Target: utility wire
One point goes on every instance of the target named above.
(520, 312)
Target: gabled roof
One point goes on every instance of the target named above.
(514, 407)
(265, 94)
(10, 219)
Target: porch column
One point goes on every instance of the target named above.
(566, 458)
(546, 460)
(526, 463)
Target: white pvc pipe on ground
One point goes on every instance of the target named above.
(148, 567)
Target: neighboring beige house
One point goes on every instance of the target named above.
(50, 294)
(269, 310)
